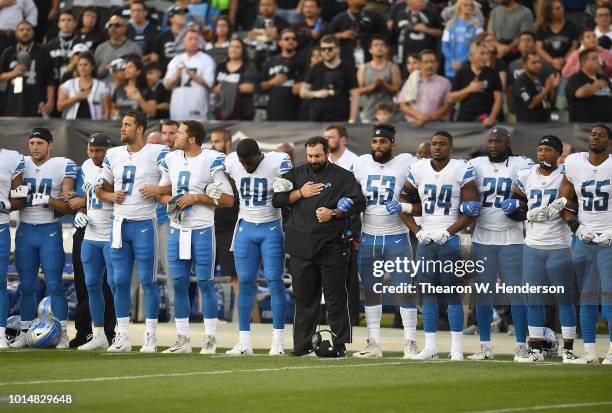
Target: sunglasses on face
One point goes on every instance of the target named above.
(287, 39)
(327, 49)
(114, 26)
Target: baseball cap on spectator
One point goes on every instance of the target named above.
(176, 9)
(78, 49)
(117, 65)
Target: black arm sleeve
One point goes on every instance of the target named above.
(356, 195)
(281, 199)
(520, 214)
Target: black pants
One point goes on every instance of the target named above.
(82, 321)
(352, 288)
(327, 270)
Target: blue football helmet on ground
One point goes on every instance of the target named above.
(44, 332)
(13, 326)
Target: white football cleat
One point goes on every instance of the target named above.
(96, 343)
(427, 354)
(3, 343)
(455, 356)
(150, 344)
(20, 341)
(532, 356)
(121, 344)
(64, 341)
(410, 349)
(240, 350)
(209, 346)
(520, 351)
(182, 345)
(570, 358)
(588, 358)
(372, 350)
(485, 353)
(608, 358)
(277, 349)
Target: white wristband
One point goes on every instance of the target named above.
(406, 207)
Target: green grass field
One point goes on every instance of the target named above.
(134, 382)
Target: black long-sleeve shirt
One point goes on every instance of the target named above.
(304, 235)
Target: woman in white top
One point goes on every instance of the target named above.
(84, 97)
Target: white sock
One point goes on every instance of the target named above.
(2, 331)
(568, 333)
(25, 325)
(486, 343)
(210, 326)
(536, 332)
(244, 338)
(182, 326)
(409, 320)
(457, 342)
(278, 336)
(151, 325)
(521, 343)
(610, 345)
(589, 347)
(430, 341)
(98, 332)
(373, 314)
(123, 323)
(64, 324)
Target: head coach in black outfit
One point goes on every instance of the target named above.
(320, 197)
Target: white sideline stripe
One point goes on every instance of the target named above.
(544, 407)
(195, 373)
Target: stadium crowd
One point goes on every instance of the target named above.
(357, 61)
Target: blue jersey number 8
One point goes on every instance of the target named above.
(589, 203)
(441, 199)
(259, 193)
(128, 178)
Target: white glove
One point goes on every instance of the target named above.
(440, 237)
(539, 214)
(40, 199)
(585, 234)
(281, 185)
(424, 237)
(555, 207)
(22, 191)
(214, 191)
(88, 185)
(81, 220)
(605, 238)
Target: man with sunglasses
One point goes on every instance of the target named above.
(117, 45)
(283, 74)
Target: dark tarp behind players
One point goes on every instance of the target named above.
(321, 198)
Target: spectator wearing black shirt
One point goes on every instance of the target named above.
(140, 29)
(557, 36)
(478, 89)
(283, 74)
(588, 92)
(266, 32)
(218, 45)
(532, 99)
(314, 58)
(59, 48)
(354, 28)
(331, 86)
(133, 94)
(166, 44)
(30, 90)
(89, 29)
(312, 27)
(157, 91)
(415, 28)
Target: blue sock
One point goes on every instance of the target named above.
(277, 293)
(588, 323)
(430, 318)
(245, 304)
(182, 309)
(455, 317)
(59, 304)
(536, 316)
(151, 299)
(484, 317)
(567, 315)
(519, 317)
(209, 298)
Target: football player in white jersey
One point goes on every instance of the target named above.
(384, 236)
(587, 190)
(95, 249)
(497, 240)
(547, 254)
(444, 186)
(258, 237)
(11, 178)
(193, 183)
(126, 171)
(39, 240)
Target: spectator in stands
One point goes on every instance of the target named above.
(11, 14)
(312, 26)
(450, 11)
(60, 47)
(166, 44)
(384, 113)
(354, 28)
(89, 29)
(117, 68)
(84, 97)
(588, 92)
(266, 31)
(500, 66)
(283, 74)
(71, 69)
(332, 86)
(337, 138)
(178, 5)
(532, 99)
(425, 95)
(116, 46)
(589, 41)
(25, 95)
(219, 43)
(236, 80)
(315, 58)
(133, 94)
(557, 37)
(505, 24)
(603, 21)
(416, 27)
(412, 64)
(289, 10)
(140, 29)
(379, 80)
(478, 89)
(458, 35)
(567, 151)
(157, 90)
